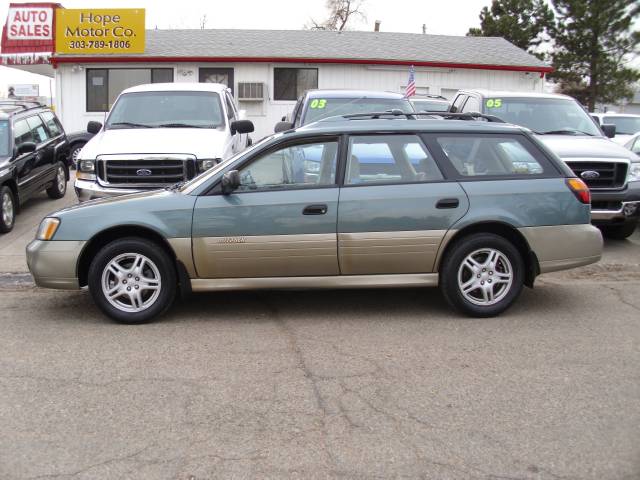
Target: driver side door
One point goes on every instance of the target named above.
(280, 222)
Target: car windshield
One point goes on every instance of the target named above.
(166, 109)
(319, 108)
(430, 106)
(4, 138)
(543, 115)
(624, 125)
(196, 182)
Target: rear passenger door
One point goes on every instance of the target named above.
(395, 206)
(58, 138)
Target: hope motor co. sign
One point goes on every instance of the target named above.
(29, 23)
(100, 31)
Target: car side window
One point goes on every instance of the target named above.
(458, 102)
(295, 166)
(491, 155)
(231, 110)
(389, 159)
(52, 123)
(38, 131)
(22, 133)
(472, 105)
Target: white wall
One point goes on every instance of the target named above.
(71, 85)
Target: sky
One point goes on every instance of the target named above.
(453, 17)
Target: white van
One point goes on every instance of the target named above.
(158, 135)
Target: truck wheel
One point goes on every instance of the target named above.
(619, 232)
(482, 275)
(73, 153)
(7, 209)
(132, 280)
(59, 187)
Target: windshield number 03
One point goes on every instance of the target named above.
(318, 103)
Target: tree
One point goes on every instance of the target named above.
(340, 12)
(593, 42)
(523, 22)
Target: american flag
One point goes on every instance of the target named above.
(411, 84)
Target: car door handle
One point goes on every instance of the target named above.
(319, 209)
(448, 203)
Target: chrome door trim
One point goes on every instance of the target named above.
(341, 281)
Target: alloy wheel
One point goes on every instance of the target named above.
(485, 276)
(61, 179)
(8, 210)
(131, 282)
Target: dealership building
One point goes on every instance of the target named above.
(265, 69)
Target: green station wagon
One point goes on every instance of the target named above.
(477, 208)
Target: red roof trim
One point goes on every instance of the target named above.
(114, 59)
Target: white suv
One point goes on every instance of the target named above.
(158, 135)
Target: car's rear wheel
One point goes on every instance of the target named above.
(620, 232)
(59, 187)
(132, 280)
(7, 209)
(482, 275)
(74, 152)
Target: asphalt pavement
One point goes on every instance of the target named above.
(326, 384)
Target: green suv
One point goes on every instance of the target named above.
(374, 200)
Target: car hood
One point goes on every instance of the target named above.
(201, 142)
(580, 146)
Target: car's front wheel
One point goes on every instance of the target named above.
(620, 232)
(482, 275)
(59, 186)
(7, 209)
(132, 280)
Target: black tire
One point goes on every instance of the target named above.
(8, 209)
(619, 232)
(59, 187)
(73, 153)
(452, 264)
(165, 269)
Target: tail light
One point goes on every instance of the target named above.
(579, 189)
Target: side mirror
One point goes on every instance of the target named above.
(241, 126)
(26, 147)
(93, 127)
(282, 126)
(284, 118)
(230, 181)
(609, 129)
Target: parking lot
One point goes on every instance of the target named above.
(323, 384)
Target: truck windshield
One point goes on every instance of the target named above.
(624, 125)
(167, 110)
(543, 115)
(319, 108)
(4, 138)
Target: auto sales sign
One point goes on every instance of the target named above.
(99, 31)
(30, 23)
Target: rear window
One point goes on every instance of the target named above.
(491, 155)
(319, 108)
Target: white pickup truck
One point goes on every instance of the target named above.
(158, 135)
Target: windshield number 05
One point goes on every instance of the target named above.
(494, 103)
(318, 103)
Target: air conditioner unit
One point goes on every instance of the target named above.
(250, 91)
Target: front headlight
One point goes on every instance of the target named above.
(48, 228)
(205, 164)
(634, 172)
(86, 170)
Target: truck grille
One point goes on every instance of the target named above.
(610, 174)
(145, 172)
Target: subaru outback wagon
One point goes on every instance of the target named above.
(475, 208)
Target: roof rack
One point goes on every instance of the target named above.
(24, 104)
(412, 115)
